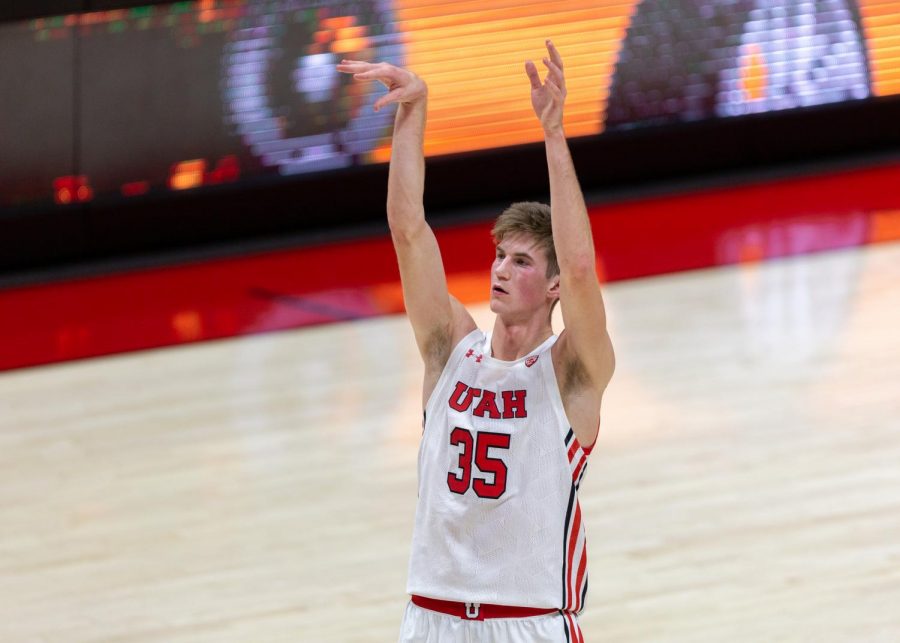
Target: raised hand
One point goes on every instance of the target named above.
(547, 98)
(403, 85)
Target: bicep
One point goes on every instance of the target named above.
(585, 340)
(435, 316)
(461, 325)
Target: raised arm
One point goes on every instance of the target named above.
(439, 321)
(584, 346)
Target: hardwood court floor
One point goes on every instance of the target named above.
(745, 487)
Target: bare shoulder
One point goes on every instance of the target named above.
(440, 344)
(581, 392)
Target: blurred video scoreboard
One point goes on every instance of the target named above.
(120, 104)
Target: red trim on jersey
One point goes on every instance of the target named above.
(485, 610)
(573, 542)
(579, 468)
(574, 581)
(582, 568)
(577, 636)
(576, 445)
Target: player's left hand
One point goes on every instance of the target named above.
(547, 98)
(403, 85)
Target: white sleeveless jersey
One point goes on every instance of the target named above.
(498, 519)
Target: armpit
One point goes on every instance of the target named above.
(437, 347)
(575, 376)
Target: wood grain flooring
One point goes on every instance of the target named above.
(745, 486)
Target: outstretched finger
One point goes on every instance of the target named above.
(533, 76)
(379, 72)
(390, 97)
(554, 72)
(353, 66)
(554, 54)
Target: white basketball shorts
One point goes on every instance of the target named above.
(422, 625)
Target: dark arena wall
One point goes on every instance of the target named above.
(135, 128)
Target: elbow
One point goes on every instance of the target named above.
(580, 268)
(404, 229)
(401, 236)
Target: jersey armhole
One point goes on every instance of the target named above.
(452, 362)
(554, 392)
(556, 395)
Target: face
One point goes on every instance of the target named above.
(519, 283)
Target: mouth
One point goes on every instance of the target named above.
(499, 290)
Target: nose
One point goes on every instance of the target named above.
(501, 268)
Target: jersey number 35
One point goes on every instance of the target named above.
(478, 446)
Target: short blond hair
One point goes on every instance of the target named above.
(533, 220)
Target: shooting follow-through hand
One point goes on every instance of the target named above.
(547, 98)
(403, 86)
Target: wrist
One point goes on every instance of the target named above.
(418, 91)
(554, 132)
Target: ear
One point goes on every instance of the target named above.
(553, 291)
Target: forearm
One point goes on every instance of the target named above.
(572, 235)
(406, 178)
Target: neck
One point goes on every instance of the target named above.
(511, 340)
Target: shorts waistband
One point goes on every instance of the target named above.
(478, 611)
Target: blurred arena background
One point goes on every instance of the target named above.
(175, 173)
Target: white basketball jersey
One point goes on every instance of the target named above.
(498, 519)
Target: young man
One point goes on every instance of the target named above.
(498, 552)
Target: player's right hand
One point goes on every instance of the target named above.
(547, 98)
(403, 85)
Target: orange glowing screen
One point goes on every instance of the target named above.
(264, 86)
(881, 23)
(753, 74)
(472, 54)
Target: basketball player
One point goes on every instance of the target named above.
(498, 551)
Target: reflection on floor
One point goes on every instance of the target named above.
(744, 488)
